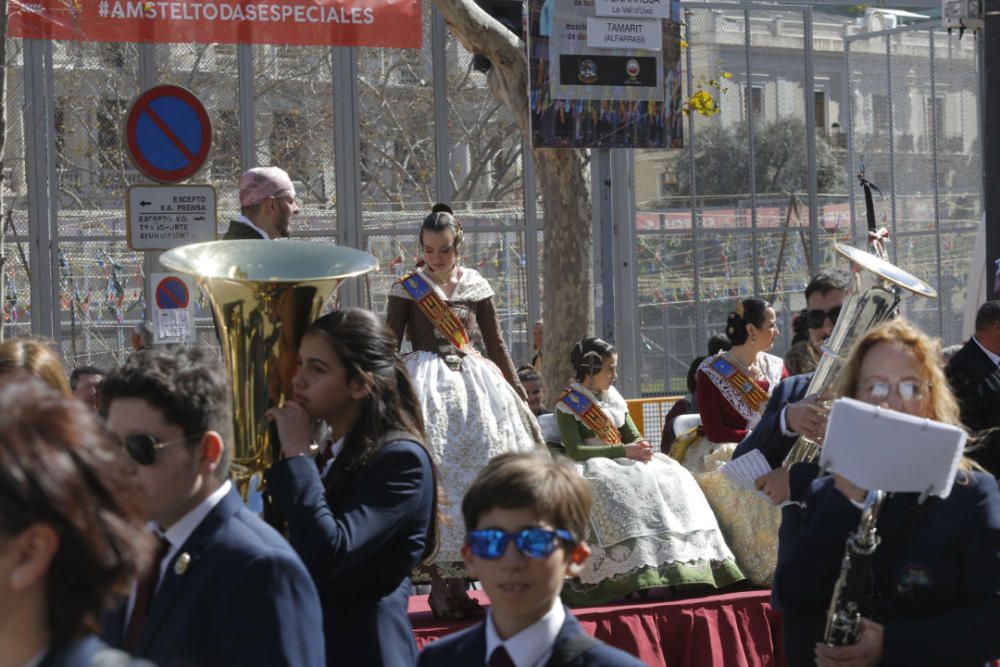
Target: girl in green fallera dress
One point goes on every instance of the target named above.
(651, 525)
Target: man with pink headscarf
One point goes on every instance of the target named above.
(267, 204)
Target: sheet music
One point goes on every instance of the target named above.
(877, 448)
(745, 470)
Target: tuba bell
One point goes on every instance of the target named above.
(875, 289)
(264, 296)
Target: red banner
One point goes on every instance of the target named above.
(386, 23)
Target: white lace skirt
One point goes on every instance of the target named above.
(471, 415)
(651, 516)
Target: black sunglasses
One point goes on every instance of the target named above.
(816, 318)
(142, 446)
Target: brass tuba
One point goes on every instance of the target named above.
(872, 296)
(264, 296)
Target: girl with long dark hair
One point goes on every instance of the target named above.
(363, 512)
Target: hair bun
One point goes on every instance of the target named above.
(442, 208)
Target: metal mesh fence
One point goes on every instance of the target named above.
(731, 214)
(914, 125)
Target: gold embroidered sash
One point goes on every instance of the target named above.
(436, 310)
(592, 416)
(747, 389)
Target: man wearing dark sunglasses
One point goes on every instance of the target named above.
(824, 298)
(525, 517)
(225, 589)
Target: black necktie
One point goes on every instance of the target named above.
(144, 591)
(500, 658)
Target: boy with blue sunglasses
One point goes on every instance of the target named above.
(525, 519)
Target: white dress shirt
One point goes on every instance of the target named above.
(335, 450)
(531, 647)
(249, 223)
(178, 534)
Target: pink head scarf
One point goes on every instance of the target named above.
(259, 183)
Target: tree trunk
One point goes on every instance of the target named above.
(568, 297)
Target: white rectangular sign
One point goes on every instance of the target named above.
(605, 33)
(174, 297)
(161, 217)
(633, 9)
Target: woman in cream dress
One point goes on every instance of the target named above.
(650, 525)
(474, 406)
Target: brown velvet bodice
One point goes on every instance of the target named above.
(478, 316)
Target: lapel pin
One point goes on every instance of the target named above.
(182, 562)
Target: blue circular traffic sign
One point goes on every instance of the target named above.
(168, 133)
(172, 292)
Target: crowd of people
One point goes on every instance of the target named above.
(124, 539)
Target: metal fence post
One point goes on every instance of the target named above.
(626, 309)
(699, 328)
(892, 147)
(246, 111)
(442, 140)
(755, 247)
(347, 153)
(810, 92)
(38, 128)
(533, 267)
(150, 259)
(849, 126)
(937, 194)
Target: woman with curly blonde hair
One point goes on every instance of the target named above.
(935, 583)
(940, 401)
(34, 356)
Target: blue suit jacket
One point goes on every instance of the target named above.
(244, 599)
(936, 574)
(467, 648)
(775, 445)
(361, 551)
(976, 381)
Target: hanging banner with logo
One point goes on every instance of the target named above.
(605, 73)
(386, 23)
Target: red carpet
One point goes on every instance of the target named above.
(732, 630)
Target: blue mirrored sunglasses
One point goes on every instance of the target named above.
(532, 542)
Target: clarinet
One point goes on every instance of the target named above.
(850, 594)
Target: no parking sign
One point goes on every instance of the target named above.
(168, 134)
(173, 319)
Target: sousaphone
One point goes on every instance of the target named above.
(875, 290)
(264, 295)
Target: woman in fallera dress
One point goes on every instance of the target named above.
(650, 525)
(474, 406)
(733, 388)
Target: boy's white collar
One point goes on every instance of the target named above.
(531, 647)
